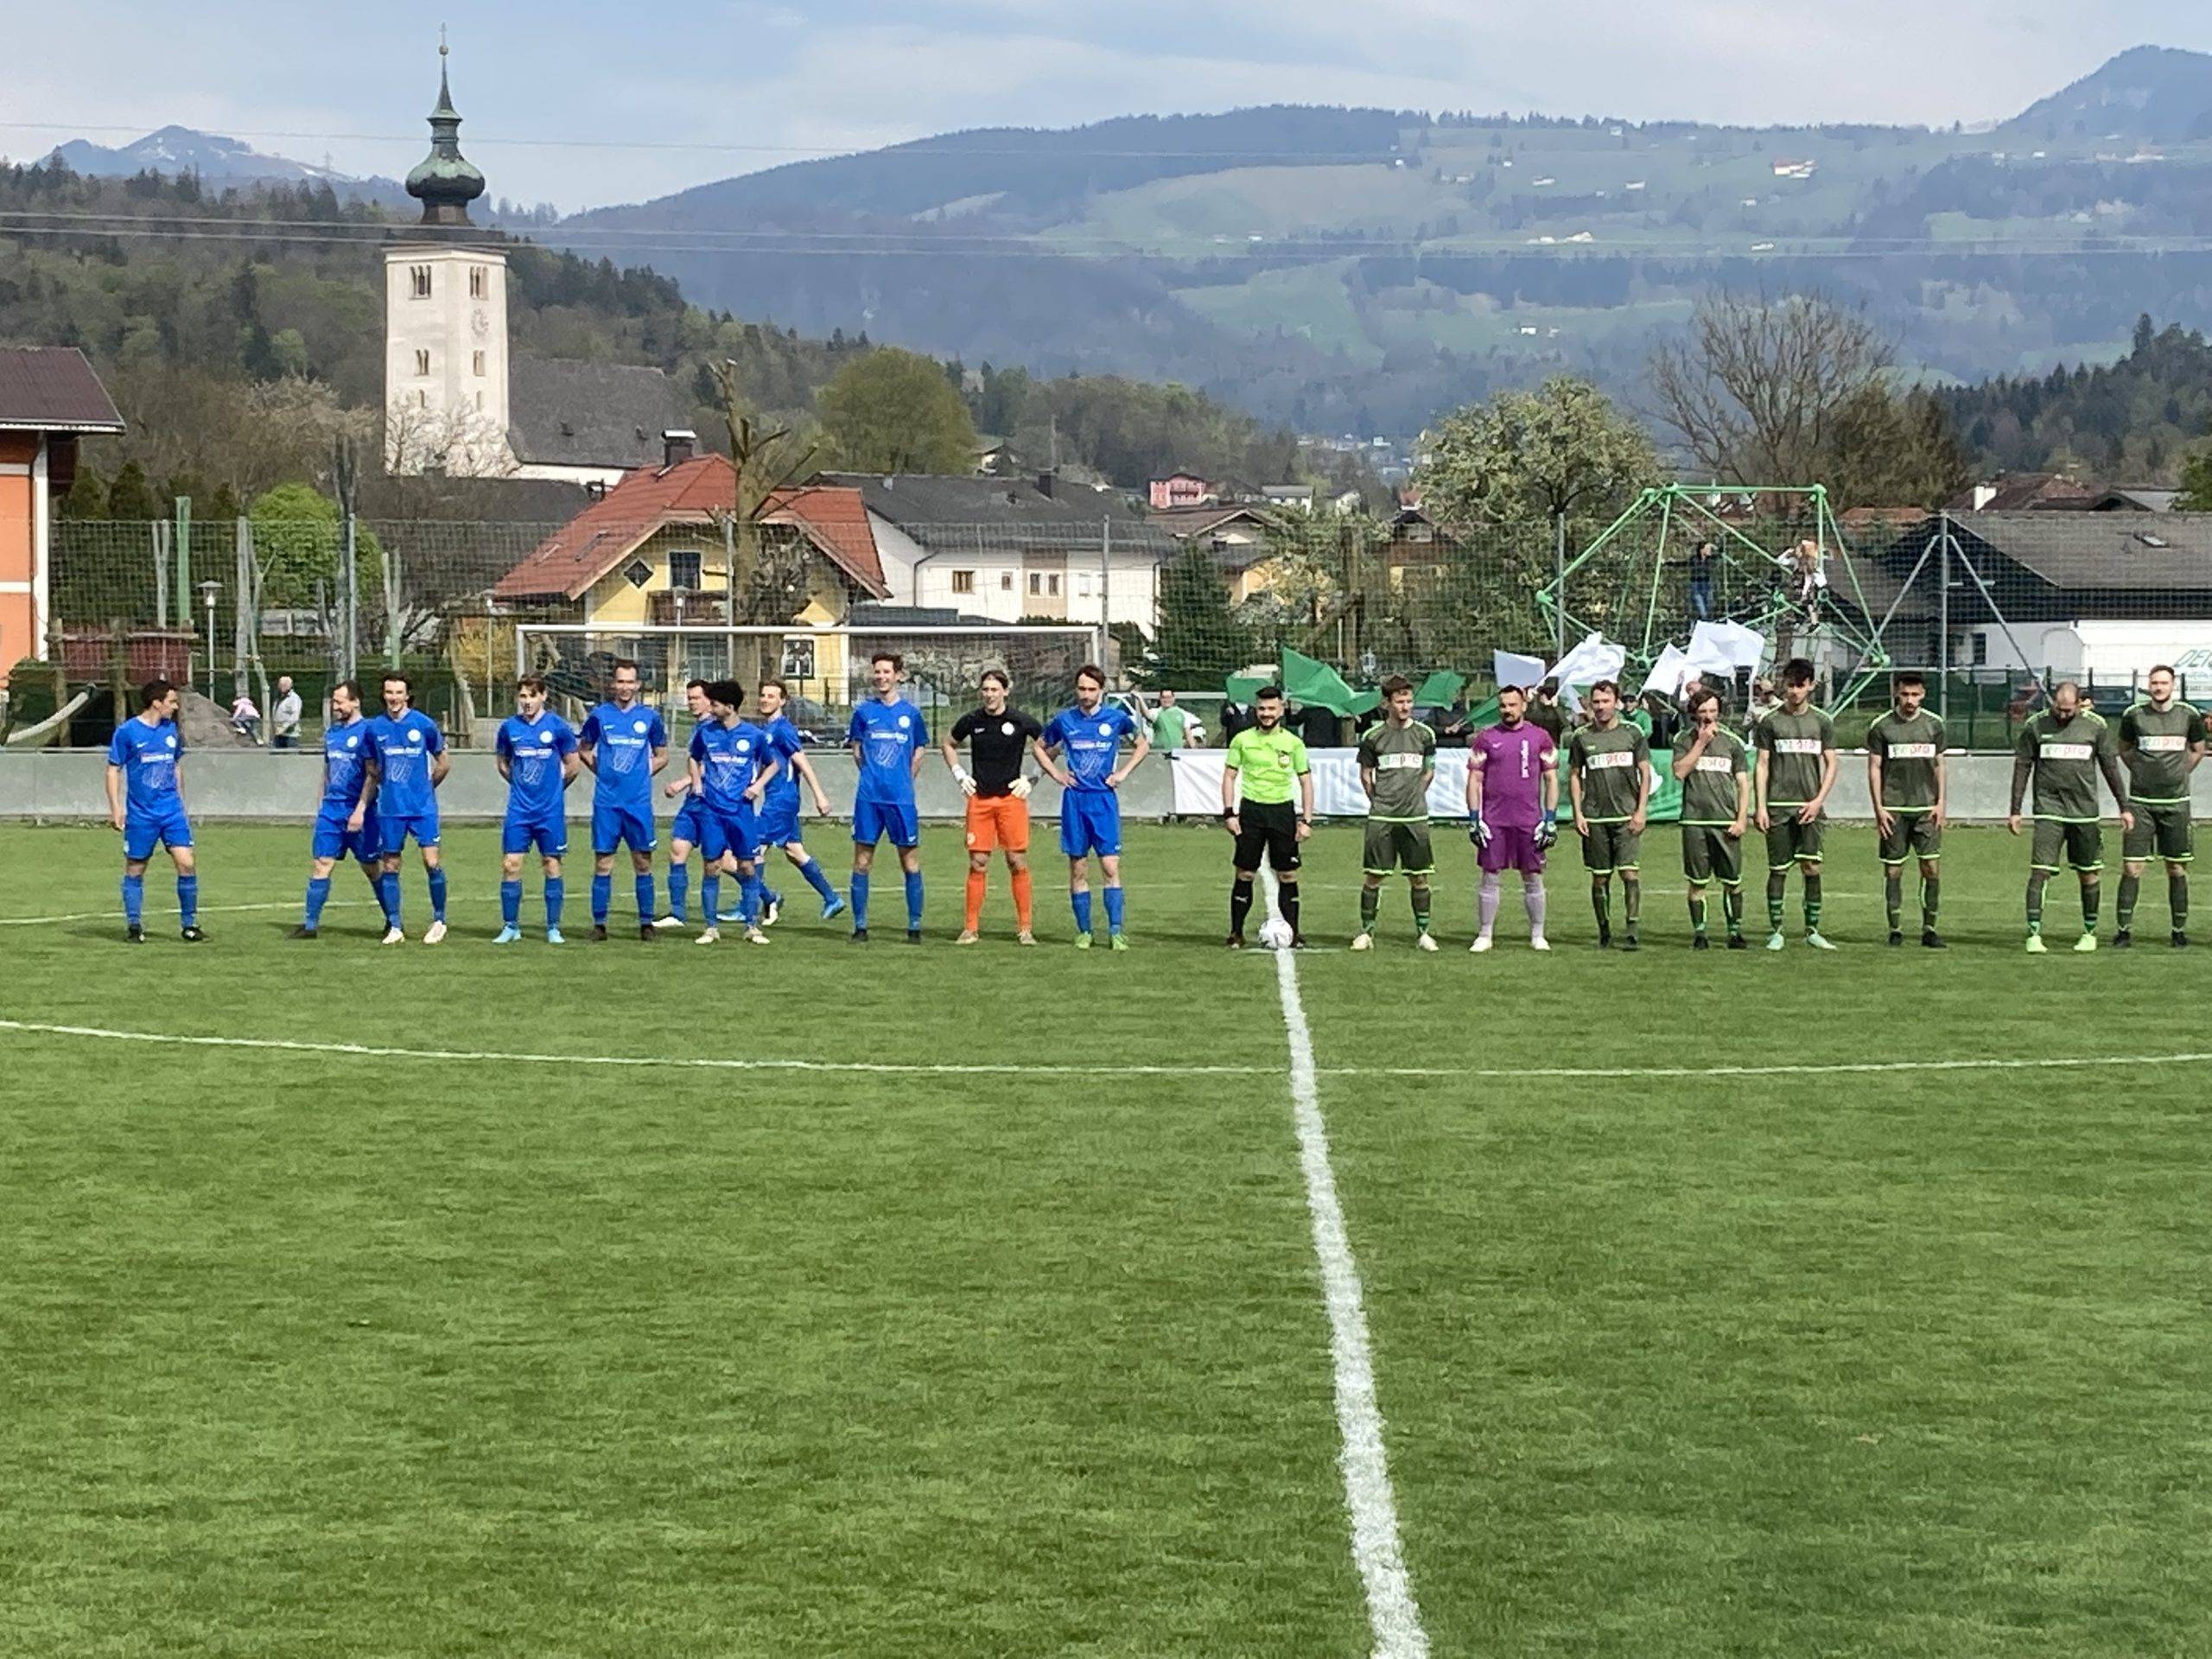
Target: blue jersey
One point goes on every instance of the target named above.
(1091, 742)
(622, 741)
(783, 741)
(345, 765)
(730, 758)
(534, 750)
(403, 749)
(890, 735)
(148, 755)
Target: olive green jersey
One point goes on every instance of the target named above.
(1796, 747)
(1909, 751)
(2156, 744)
(2065, 753)
(1611, 762)
(1268, 764)
(1709, 792)
(1401, 758)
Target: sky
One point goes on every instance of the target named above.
(583, 104)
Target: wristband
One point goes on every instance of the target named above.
(960, 774)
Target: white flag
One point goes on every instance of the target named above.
(1729, 642)
(1513, 669)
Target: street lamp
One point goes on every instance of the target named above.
(207, 592)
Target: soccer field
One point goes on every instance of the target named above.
(817, 1299)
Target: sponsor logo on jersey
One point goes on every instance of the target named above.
(1912, 751)
(1715, 763)
(1402, 761)
(2162, 743)
(2068, 751)
(1798, 746)
(1611, 760)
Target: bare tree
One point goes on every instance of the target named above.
(767, 564)
(1759, 389)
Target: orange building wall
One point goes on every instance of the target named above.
(18, 557)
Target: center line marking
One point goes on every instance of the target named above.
(1392, 1611)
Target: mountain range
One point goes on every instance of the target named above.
(1358, 270)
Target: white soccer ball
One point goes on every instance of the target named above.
(1275, 933)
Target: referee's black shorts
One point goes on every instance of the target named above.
(1269, 827)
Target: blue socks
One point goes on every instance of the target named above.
(438, 894)
(1113, 909)
(603, 894)
(318, 896)
(859, 899)
(187, 900)
(812, 871)
(913, 900)
(510, 902)
(1081, 901)
(556, 895)
(710, 895)
(388, 890)
(679, 889)
(643, 888)
(134, 898)
(756, 896)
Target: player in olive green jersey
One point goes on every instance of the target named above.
(1609, 783)
(1714, 771)
(1265, 768)
(1397, 760)
(2161, 741)
(1796, 768)
(2062, 749)
(1905, 781)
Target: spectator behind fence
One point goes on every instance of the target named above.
(1701, 560)
(246, 718)
(1544, 710)
(284, 718)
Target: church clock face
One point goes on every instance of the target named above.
(479, 322)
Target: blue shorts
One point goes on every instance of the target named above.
(690, 826)
(874, 820)
(424, 826)
(728, 832)
(167, 825)
(779, 822)
(549, 836)
(1090, 822)
(613, 825)
(334, 840)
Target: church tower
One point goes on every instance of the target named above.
(445, 334)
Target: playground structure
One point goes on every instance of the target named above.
(1634, 583)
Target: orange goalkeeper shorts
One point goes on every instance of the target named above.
(995, 822)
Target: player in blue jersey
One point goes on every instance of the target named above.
(407, 762)
(1089, 735)
(888, 739)
(537, 751)
(688, 831)
(345, 772)
(145, 802)
(625, 745)
(731, 767)
(779, 809)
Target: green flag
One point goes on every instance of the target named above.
(1440, 690)
(1308, 681)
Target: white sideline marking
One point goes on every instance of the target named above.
(170, 910)
(1391, 1611)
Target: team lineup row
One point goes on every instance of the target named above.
(739, 790)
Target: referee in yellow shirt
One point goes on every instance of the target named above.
(1268, 760)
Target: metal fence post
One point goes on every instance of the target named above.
(1558, 586)
(1944, 622)
(1105, 594)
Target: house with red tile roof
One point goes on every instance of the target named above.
(49, 399)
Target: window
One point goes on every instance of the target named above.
(479, 283)
(476, 363)
(1036, 583)
(421, 361)
(479, 403)
(1982, 651)
(419, 278)
(1052, 586)
(1083, 585)
(963, 582)
(683, 564)
(637, 573)
(1006, 582)
(422, 400)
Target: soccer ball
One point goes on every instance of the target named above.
(1275, 933)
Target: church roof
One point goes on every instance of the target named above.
(444, 182)
(578, 414)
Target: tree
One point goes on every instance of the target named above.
(296, 541)
(1199, 642)
(2195, 484)
(1561, 451)
(893, 411)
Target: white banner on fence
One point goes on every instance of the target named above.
(1337, 793)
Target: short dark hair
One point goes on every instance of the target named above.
(1798, 670)
(1268, 693)
(152, 692)
(1613, 686)
(351, 687)
(1505, 691)
(530, 682)
(618, 664)
(702, 684)
(778, 683)
(1396, 683)
(729, 691)
(998, 674)
(1702, 696)
(897, 663)
(1092, 671)
(1905, 676)
(2162, 668)
(394, 674)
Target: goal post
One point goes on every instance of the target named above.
(825, 667)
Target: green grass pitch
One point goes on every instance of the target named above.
(350, 1354)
